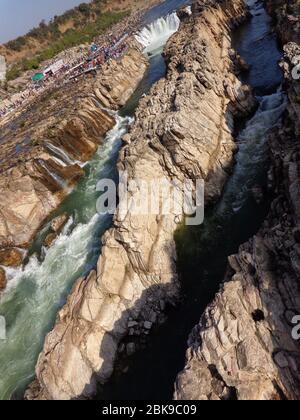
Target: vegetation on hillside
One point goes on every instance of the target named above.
(74, 27)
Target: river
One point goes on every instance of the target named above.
(35, 294)
(203, 251)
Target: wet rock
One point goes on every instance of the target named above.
(132, 324)
(11, 257)
(242, 64)
(59, 222)
(50, 239)
(56, 228)
(34, 181)
(246, 332)
(183, 129)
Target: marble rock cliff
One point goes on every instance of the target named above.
(183, 129)
(243, 348)
(41, 158)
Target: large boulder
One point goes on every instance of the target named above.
(11, 257)
(56, 228)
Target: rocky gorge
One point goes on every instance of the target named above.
(101, 306)
(184, 128)
(42, 157)
(243, 348)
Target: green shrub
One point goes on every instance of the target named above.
(70, 38)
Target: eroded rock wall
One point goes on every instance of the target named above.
(41, 151)
(183, 129)
(243, 347)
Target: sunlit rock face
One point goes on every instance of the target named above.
(183, 129)
(246, 345)
(42, 158)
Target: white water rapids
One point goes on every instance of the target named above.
(35, 294)
(253, 154)
(154, 36)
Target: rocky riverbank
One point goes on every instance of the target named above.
(183, 129)
(243, 347)
(42, 156)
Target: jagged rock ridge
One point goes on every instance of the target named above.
(41, 158)
(183, 129)
(243, 347)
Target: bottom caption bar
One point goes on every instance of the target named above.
(136, 408)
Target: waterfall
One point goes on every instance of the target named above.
(253, 154)
(37, 291)
(59, 181)
(61, 156)
(154, 36)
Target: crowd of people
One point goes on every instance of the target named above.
(97, 57)
(77, 64)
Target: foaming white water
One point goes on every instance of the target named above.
(35, 293)
(253, 155)
(61, 156)
(154, 36)
(61, 182)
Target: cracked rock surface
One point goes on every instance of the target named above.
(243, 346)
(183, 128)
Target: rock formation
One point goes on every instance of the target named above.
(243, 347)
(56, 228)
(41, 157)
(183, 129)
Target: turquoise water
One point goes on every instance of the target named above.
(203, 251)
(36, 293)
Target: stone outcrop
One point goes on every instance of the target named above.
(11, 257)
(183, 129)
(56, 228)
(3, 280)
(243, 347)
(41, 157)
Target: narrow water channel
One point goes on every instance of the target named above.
(36, 293)
(151, 373)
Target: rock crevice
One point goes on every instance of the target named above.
(246, 332)
(183, 129)
(41, 159)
